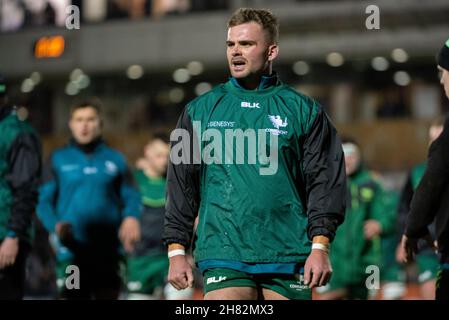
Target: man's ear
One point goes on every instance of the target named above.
(273, 51)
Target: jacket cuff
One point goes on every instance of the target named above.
(323, 226)
(416, 234)
(169, 241)
(11, 234)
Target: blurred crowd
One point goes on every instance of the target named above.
(19, 14)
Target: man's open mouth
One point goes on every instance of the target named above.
(238, 63)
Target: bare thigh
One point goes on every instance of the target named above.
(232, 293)
(272, 295)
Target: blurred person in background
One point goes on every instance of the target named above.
(162, 8)
(431, 198)
(40, 280)
(147, 266)
(259, 236)
(20, 165)
(357, 243)
(392, 274)
(133, 9)
(426, 260)
(88, 204)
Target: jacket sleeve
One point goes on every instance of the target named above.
(426, 198)
(130, 197)
(325, 178)
(24, 159)
(383, 209)
(404, 203)
(183, 185)
(48, 194)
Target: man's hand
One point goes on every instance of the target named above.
(9, 249)
(64, 232)
(400, 253)
(410, 246)
(129, 233)
(371, 229)
(180, 273)
(317, 270)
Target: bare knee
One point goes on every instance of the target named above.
(428, 290)
(338, 294)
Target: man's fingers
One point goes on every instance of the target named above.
(136, 236)
(175, 285)
(181, 281)
(6, 261)
(307, 274)
(121, 235)
(325, 277)
(410, 253)
(130, 237)
(129, 246)
(430, 242)
(190, 278)
(366, 230)
(316, 276)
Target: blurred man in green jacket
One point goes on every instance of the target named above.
(357, 243)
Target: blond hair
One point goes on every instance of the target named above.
(263, 17)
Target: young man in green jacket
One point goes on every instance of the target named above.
(358, 244)
(147, 266)
(258, 210)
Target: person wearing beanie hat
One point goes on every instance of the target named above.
(20, 163)
(431, 199)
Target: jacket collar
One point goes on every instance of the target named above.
(88, 148)
(265, 82)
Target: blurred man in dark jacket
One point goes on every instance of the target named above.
(20, 164)
(431, 199)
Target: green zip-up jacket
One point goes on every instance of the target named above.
(258, 210)
(20, 164)
(351, 252)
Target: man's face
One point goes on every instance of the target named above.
(248, 50)
(156, 154)
(434, 133)
(444, 80)
(85, 125)
(352, 158)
